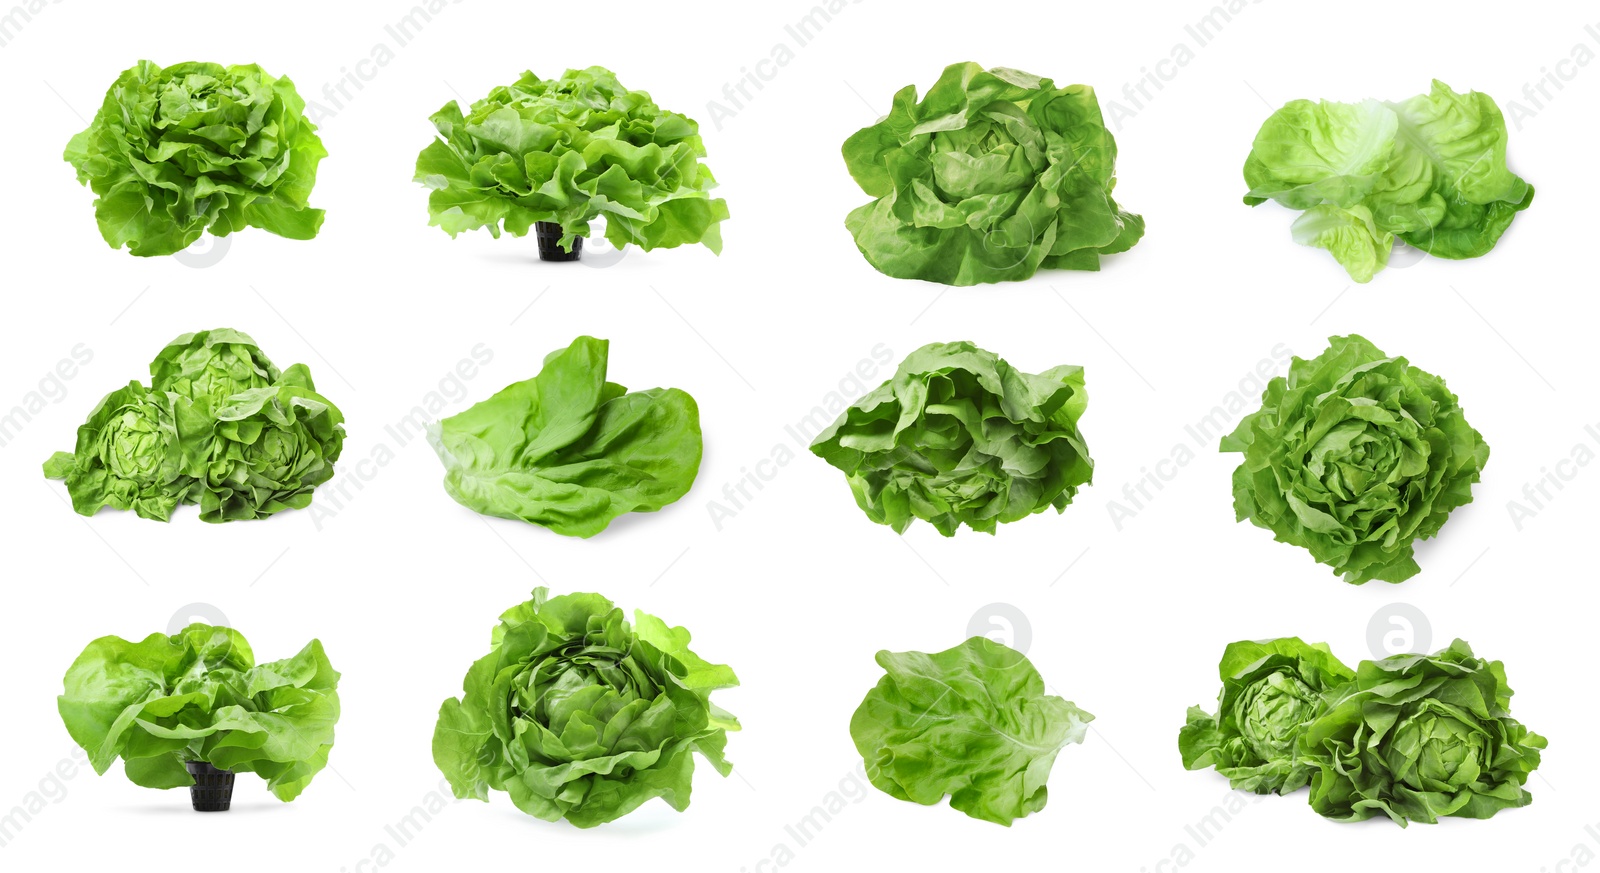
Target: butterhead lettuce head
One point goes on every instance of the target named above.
(177, 151)
(1430, 170)
(579, 714)
(1354, 456)
(959, 436)
(991, 176)
(569, 150)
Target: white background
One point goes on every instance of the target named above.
(797, 590)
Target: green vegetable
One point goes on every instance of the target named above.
(571, 150)
(1430, 170)
(269, 449)
(221, 427)
(211, 366)
(568, 450)
(972, 722)
(200, 696)
(177, 151)
(960, 437)
(133, 453)
(579, 715)
(993, 176)
(1270, 689)
(1355, 456)
(1417, 737)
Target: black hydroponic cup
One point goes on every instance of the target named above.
(548, 233)
(212, 790)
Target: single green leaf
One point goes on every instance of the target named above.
(972, 722)
(568, 450)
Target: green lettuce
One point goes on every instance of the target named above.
(960, 437)
(220, 426)
(136, 451)
(211, 366)
(1430, 170)
(1270, 690)
(579, 715)
(269, 449)
(177, 151)
(568, 450)
(1418, 737)
(992, 176)
(972, 722)
(568, 151)
(199, 695)
(1354, 456)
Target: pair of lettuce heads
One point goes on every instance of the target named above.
(175, 152)
(996, 174)
(219, 425)
(1354, 455)
(578, 714)
(1412, 737)
(168, 701)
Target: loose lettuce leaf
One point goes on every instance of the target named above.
(1430, 169)
(958, 437)
(1270, 690)
(578, 715)
(992, 176)
(571, 150)
(1418, 737)
(972, 722)
(1354, 456)
(177, 151)
(199, 695)
(568, 450)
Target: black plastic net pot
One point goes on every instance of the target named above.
(212, 790)
(548, 233)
